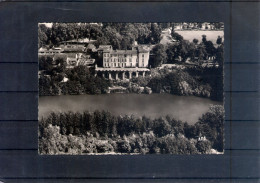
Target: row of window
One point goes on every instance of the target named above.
(115, 64)
(115, 60)
(120, 65)
(118, 55)
(130, 60)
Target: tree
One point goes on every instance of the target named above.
(176, 36)
(212, 124)
(195, 41)
(186, 49)
(113, 37)
(155, 34)
(162, 127)
(201, 52)
(61, 64)
(44, 86)
(171, 53)
(211, 50)
(203, 146)
(219, 40)
(42, 37)
(45, 63)
(204, 38)
(159, 56)
(126, 43)
(220, 56)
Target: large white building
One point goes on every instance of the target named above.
(137, 57)
(127, 63)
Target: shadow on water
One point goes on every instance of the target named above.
(185, 108)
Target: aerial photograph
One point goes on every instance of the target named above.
(131, 88)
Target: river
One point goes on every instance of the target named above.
(185, 108)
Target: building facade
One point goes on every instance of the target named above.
(123, 64)
(137, 57)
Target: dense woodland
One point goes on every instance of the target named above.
(102, 132)
(81, 81)
(119, 35)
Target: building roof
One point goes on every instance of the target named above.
(142, 50)
(74, 49)
(60, 55)
(83, 40)
(42, 49)
(71, 55)
(91, 46)
(123, 52)
(105, 47)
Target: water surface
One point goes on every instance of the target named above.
(185, 108)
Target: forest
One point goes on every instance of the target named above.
(101, 132)
(119, 35)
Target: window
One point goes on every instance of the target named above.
(143, 55)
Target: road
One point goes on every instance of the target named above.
(166, 37)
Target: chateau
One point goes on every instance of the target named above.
(124, 63)
(137, 57)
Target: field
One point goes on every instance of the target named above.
(211, 35)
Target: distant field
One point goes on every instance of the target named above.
(211, 35)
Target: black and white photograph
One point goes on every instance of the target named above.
(131, 88)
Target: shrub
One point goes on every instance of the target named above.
(123, 146)
(104, 147)
(203, 146)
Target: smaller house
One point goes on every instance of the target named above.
(82, 41)
(74, 48)
(90, 48)
(72, 59)
(52, 51)
(60, 56)
(88, 62)
(104, 47)
(64, 80)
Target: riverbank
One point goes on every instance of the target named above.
(179, 79)
(103, 132)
